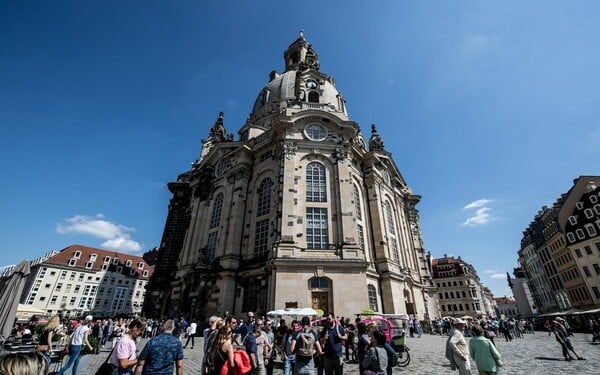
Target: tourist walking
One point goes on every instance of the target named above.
(44, 345)
(305, 344)
(485, 354)
(334, 335)
(221, 351)
(191, 333)
(161, 354)
(376, 359)
(78, 339)
(456, 349)
(124, 354)
(562, 336)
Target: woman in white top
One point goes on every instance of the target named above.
(78, 339)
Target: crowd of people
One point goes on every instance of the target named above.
(236, 347)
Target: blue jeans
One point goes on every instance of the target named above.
(74, 351)
(288, 364)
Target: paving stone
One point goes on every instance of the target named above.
(535, 354)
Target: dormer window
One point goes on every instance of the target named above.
(588, 213)
(93, 257)
(120, 269)
(104, 267)
(116, 261)
(579, 205)
(593, 199)
(89, 265)
(106, 259)
(128, 263)
(132, 272)
(77, 254)
(580, 234)
(141, 265)
(72, 262)
(597, 209)
(572, 220)
(145, 274)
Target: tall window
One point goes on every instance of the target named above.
(357, 209)
(361, 237)
(264, 197)
(317, 234)
(261, 238)
(316, 185)
(372, 297)
(394, 250)
(389, 217)
(211, 246)
(215, 219)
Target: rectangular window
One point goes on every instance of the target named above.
(58, 287)
(596, 292)
(597, 268)
(317, 233)
(578, 253)
(394, 249)
(588, 250)
(571, 237)
(261, 238)
(587, 272)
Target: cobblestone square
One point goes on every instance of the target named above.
(535, 354)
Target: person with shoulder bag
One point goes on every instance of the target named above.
(376, 358)
(79, 338)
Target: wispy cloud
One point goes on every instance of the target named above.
(490, 271)
(498, 276)
(481, 215)
(116, 236)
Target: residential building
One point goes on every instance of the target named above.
(81, 280)
(460, 291)
(507, 307)
(301, 210)
(560, 250)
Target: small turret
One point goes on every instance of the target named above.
(217, 134)
(375, 142)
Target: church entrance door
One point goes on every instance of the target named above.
(320, 301)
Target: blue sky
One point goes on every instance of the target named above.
(489, 109)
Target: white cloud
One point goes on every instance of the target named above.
(490, 271)
(478, 203)
(481, 215)
(116, 236)
(498, 276)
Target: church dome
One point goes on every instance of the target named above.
(300, 86)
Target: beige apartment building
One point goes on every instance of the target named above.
(81, 280)
(460, 291)
(301, 210)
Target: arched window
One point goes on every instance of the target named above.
(394, 253)
(215, 219)
(264, 197)
(316, 184)
(372, 297)
(319, 283)
(313, 97)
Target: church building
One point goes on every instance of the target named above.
(300, 210)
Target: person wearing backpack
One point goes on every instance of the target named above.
(305, 344)
(376, 359)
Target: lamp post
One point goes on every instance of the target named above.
(193, 308)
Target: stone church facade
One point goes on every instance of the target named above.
(300, 211)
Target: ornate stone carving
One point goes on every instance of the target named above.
(289, 149)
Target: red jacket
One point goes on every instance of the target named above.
(241, 361)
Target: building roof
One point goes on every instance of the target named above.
(67, 258)
(505, 300)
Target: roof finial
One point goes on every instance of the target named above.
(302, 33)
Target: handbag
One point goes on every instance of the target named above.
(108, 368)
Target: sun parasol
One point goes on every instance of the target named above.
(10, 295)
